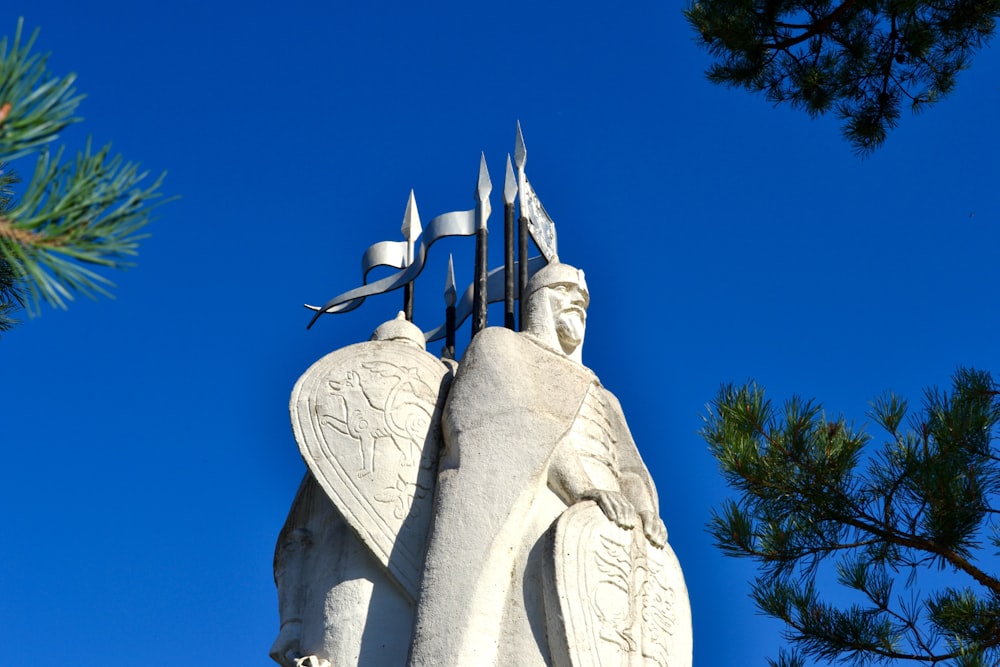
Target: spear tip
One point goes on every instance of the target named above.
(520, 152)
(450, 293)
(411, 220)
(509, 184)
(485, 186)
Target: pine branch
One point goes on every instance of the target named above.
(11, 288)
(11, 296)
(90, 212)
(814, 29)
(73, 219)
(34, 106)
(924, 500)
(860, 59)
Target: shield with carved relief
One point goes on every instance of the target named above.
(611, 598)
(367, 422)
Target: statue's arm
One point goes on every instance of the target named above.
(289, 565)
(638, 489)
(636, 482)
(569, 480)
(286, 647)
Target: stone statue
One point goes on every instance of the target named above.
(545, 547)
(349, 558)
(512, 577)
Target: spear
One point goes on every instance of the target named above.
(411, 231)
(450, 294)
(479, 299)
(509, 190)
(520, 157)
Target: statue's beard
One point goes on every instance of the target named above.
(570, 328)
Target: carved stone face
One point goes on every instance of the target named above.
(568, 303)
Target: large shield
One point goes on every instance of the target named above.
(611, 598)
(367, 422)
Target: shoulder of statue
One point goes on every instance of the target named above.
(494, 335)
(611, 398)
(539, 347)
(492, 341)
(504, 349)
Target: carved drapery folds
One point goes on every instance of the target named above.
(472, 521)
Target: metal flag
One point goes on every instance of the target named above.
(483, 210)
(540, 224)
(394, 254)
(411, 232)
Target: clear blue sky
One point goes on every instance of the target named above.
(148, 461)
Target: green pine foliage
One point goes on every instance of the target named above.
(11, 294)
(862, 59)
(907, 529)
(74, 217)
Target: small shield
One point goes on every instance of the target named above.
(611, 598)
(367, 422)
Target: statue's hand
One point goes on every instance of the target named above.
(312, 661)
(285, 650)
(653, 528)
(615, 506)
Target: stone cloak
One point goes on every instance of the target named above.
(511, 403)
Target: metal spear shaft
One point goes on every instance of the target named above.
(520, 158)
(408, 301)
(509, 190)
(479, 293)
(450, 294)
(411, 231)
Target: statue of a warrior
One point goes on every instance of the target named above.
(546, 546)
(349, 558)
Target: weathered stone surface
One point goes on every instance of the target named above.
(539, 520)
(529, 432)
(367, 422)
(336, 601)
(349, 558)
(613, 599)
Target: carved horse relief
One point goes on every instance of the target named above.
(367, 422)
(612, 599)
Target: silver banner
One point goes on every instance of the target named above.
(387, 253)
